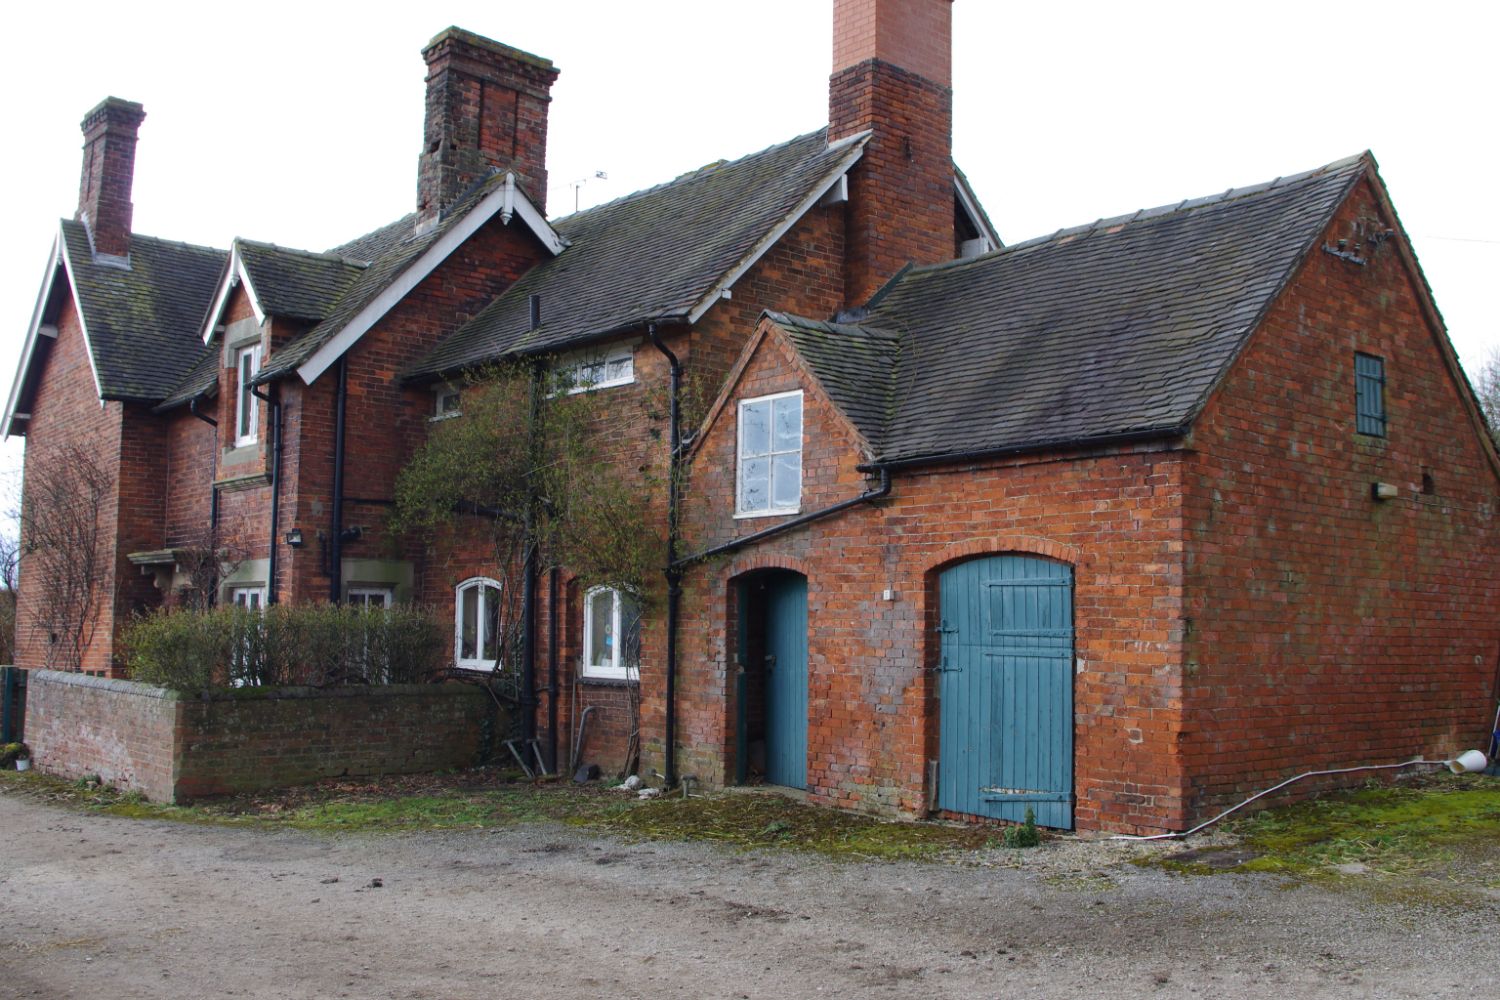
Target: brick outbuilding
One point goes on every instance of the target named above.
(1130, 521)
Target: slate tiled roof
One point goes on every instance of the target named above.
(1115, 328)
(202, 380)
(652, 255)
(388, 252)
(855, 365)
(295, 283)
(143, 321)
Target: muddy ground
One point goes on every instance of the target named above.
(96, 906)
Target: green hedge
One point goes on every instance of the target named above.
(309, 644)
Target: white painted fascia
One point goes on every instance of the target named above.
(234, 274)
(507, 201)
(83, 323)
(36, 329)
(721, 290)
(971, 209)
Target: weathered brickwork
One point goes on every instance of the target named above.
(65, 413)
(801, 273)
(173, 748)
(1116, 518)
(486, 110)
(1326, 629)
(122, 732)
(900, 207)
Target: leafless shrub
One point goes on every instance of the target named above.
(63, 557)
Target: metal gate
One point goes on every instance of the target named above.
(786, 680)
(1006, 690)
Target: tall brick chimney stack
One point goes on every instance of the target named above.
(109, 136)
(893, 75)
(486, 110)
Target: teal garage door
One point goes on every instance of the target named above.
(1006, 690)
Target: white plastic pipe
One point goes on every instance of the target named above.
(1469, 760)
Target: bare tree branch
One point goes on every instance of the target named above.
(63, 557)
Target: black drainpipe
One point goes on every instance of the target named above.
(213, 491)
(673, 571)
(336, 536)
(868, 496)
(275, 404)
(552, 664)
(529, 566)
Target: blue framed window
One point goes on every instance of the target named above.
(1369, 395)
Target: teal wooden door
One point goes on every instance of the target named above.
(1006, 690)
(786, 680)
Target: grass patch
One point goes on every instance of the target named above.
(474, 799)
(483, 799)
(749, 820)
(1424, 827)
(1429, 837)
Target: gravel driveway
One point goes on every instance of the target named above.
(94, 906)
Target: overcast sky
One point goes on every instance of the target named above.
(300, 123)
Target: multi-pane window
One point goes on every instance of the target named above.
(371, 597)
(611, 633)
(476, 624)
(1369, 394)
(249, 598)
(246, 416)
(769, 476)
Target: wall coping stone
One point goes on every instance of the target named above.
(135, 688)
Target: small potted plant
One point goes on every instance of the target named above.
(17, 753)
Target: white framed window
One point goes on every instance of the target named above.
(611, 634)
(252, 598)
(246, 413)
(768, 478)
(589, 370)
(447, 402)
(371, 597)
(249, 598)
(476, 624)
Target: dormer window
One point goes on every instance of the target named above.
(247, 414)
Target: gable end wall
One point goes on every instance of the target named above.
(1326, 629)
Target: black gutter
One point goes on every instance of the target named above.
(1100, 440)
(336, 536)
(672, 571)
(868, 496)
(193, 409)
(275, 404)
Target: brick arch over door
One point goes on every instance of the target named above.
(978, 548)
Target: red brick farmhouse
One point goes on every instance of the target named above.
(1115, 525)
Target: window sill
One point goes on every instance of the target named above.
(444, 416)
(789, 512)
(598, 680)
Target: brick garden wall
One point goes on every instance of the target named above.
(123, 732)
(1326, 629)
(174, 748)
